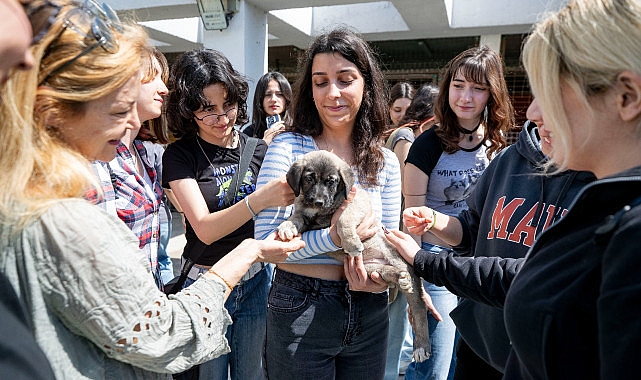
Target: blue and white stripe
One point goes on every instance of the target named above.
(285, 149)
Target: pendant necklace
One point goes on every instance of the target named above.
(233, 144)
(470, 133)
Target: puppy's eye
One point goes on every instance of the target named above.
(309, 178)
(330, 181)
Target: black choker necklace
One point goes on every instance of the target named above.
(466, 132)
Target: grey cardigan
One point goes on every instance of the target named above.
(93, 304)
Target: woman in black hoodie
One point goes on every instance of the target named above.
(574, 309)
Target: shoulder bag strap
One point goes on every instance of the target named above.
(243, 165)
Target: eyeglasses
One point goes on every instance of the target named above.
(41, 15)
(100, 21)
(214, 118)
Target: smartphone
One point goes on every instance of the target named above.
(271, 120)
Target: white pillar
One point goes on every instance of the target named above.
(492, 40)
(244, 43)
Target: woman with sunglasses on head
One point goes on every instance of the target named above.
(272, 98)
(93, 305)
(130, 182)
(208, 98)
(444, 163)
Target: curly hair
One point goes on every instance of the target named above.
(190, 75)
(479, 65)
(373, 113)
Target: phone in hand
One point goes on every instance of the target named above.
(271, 120)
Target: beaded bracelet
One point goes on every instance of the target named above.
(433, 219)
(221, 277)
(254, 216)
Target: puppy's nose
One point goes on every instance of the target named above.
(318, 203)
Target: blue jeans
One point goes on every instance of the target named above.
(399, 345)
(247, 306)
(320, 330)
(440, 366)
(164, 261)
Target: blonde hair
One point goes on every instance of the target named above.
(585, 45)
(38, 167)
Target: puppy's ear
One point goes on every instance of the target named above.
(294, 175)
(347, 175)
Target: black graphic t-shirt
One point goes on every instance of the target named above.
(184, 159)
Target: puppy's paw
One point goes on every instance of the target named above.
(404, 280)
(287, 230)
(421, 354)
(354, 249)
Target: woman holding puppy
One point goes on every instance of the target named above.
(317, 327)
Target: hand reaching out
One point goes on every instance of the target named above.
(418, 220)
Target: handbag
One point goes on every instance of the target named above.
(176, 284)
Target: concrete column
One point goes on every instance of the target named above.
(244, 43)
(491, 40)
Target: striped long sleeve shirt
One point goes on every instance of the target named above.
(289, 147)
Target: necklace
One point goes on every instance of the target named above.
(468, 132)
(234, 143)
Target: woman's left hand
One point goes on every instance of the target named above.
(358, 279)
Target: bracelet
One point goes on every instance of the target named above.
(254, 216)
(221, 277)
(433, 219)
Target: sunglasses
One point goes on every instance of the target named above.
(93, 21)
(41, 15)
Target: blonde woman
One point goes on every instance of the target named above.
(94, 307)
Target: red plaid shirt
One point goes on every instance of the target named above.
(137, 202)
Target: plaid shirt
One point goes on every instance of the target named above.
(135, 201)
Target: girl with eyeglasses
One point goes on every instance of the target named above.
(86, 285)
(208, 99)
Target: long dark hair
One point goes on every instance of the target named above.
(259, 124)
(420, 111)
(373, 113)
(190, 74)
(480, 65)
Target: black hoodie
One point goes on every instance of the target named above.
(509, 207)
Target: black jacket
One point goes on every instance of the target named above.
(512, 203)
(573, 305)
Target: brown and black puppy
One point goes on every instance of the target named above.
(321, 182)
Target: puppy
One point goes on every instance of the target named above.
(321, 182)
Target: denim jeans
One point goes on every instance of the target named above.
(164, 261)
(247, 306)
(440, 366)
(399, 344)
(320, 330)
